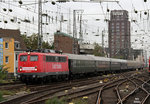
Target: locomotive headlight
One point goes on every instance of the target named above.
(35, 68)
(20, 68)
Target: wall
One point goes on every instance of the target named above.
(1, 51)
(10, 53)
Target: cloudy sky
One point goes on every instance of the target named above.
(93, 18)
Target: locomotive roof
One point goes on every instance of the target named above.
(99, 58)
(118, 60)
(78, 57)
(39, 53)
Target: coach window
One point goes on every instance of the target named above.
(33, 58)
(23, 58)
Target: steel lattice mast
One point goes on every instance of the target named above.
(40, 24)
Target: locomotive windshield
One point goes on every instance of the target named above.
(23, 58)
(33, 58)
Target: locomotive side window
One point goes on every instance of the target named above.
(55, 59)
(50, 59)
(23, 58)
(62, 59)
(33, 58)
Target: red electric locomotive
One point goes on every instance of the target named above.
(35, 65)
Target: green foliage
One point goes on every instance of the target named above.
(1, 96)
(80, 101)
(119, 57)
(7, 92)
(32, 41)
(4, 81)
(55, 101)
(98, 51)
(3, 72)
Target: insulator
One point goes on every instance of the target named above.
(5, 22)
(20, 2)
(53, 2)
(10, 10)
(5, 9)
(108, 10)
(145, 13)
(135, 11)
(12, 20)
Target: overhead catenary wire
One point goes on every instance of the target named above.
(83, 14)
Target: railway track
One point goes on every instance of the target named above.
(129, 91)
(46, 90)
(12, 86)
(71, 94)
(87, 87)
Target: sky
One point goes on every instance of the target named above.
(94, 15)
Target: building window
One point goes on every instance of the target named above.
(117, 23)
(112, 27)
(17, 45)
(6, 59)
(117, 27)
(6, 45)
(117, 30)
(16, 57)
(118, 33)
(122, 26)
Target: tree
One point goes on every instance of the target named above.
(98, 51)
(31, 42)
(3, 72)
(119, 57)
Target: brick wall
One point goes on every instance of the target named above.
(64, 43)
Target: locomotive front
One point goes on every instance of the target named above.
(29, 66)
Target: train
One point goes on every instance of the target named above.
(35, 66)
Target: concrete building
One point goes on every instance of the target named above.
(119, 35)
(65, 43)
(13, 44)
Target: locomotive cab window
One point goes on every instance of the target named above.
(23, 58)
(33, 58)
